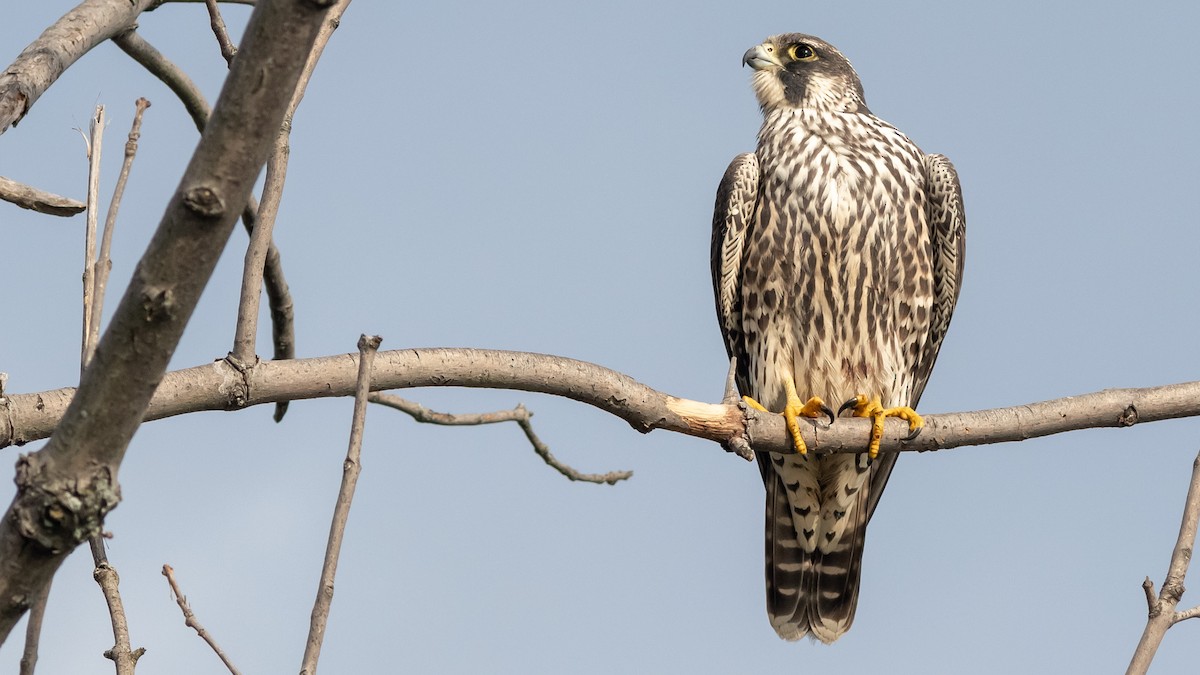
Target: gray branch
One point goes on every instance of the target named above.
(46, 58)
(28, 197)
(220, 386)
(65, 489)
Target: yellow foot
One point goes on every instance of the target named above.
(873, 408)
(794, 410)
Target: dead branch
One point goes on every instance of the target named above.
(65, 489)
(1162, 613)
(278, 296)
(519, 414)
(103, 263)
(190, 620)
(33, 632)
(261, 242)
(228, 51)
(45, 59)
(125, 658)
(219, 386)
(28, 197)
(90, 322)
(367, 347)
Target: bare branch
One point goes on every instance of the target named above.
(33, 632)
(218, 386)
(518, 414)
(90, 322)
(218, 27)
(261, 243)
(41, 63)
(125, 658)
(278, 295)
(65, 489)
(103, 263)
(1162, 614)
(367, 346)
(28, 197)
(190, 620)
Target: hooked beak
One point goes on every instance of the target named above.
(760, 57)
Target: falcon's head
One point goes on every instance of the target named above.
(794, 70)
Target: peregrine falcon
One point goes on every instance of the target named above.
(837, 252)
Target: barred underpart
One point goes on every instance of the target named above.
(837, 253)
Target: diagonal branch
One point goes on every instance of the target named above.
(190, 620)
(351, 467)
(219, 386)
(278, 295)
(519, 414)
(65, 489)
(1162, 614)
(45, 59)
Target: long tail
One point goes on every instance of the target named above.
(816, 523)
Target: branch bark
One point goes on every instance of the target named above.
(41, 63)
(64, 490)
(220, 386)
(1162, 613)
(28, 197)
(367, 348)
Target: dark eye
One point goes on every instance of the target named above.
(801, 52)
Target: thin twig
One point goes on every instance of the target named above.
(103, 263)
(278, 295)
(29, 197)
(190, 620)
(519, 414)
(1161, 609)
(218, 27)
(367, 346)
(89, 238)
(121, 654)
(246, 331)
(33, 631)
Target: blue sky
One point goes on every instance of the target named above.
(540, 176)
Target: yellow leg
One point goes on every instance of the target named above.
(795, 409)
(873, 408)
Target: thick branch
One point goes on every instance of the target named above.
(280, 298)
(59, 46)
(64, 490)
(219, 386)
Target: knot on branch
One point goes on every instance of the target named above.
(237, 390)
(1129, 416)
(60, 512)
(204, 201)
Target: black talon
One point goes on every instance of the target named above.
(848, 405)
(825, 409)
(913, 434)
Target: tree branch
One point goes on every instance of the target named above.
(518, 414)
(65, 489)
(190, 620)
(41, 63)
(1162, 614)
(219, 386)
(262, 245)
(278, 295)
(28, 197)
(367, 347)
